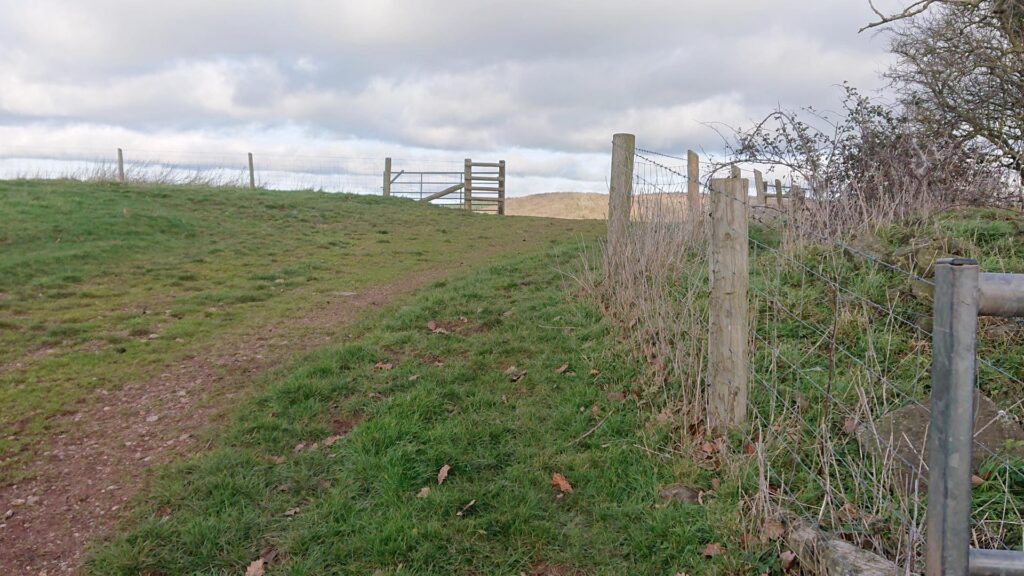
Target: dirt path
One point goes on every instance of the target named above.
(84, 478)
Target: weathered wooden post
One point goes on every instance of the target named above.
(778, 193)
(467, 178)
(796, 195)
(252, 173)
(387, 177)
(620, 192)
(759, 187)
(501, 187)
(728, 330)
(693, 186)
(120, 166)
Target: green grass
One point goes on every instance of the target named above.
(352, 507)
(103, 284)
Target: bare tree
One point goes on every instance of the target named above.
(960, 69)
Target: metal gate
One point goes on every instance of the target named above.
(479, 187)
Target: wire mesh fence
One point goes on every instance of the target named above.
(840, 363)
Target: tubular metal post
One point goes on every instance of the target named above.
(952, 417)
(996, 563)
(120, 166)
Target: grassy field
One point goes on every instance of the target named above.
(502, 377)
(103, 284)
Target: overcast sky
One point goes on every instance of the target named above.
(543, 84)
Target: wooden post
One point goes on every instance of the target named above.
(759, 187)
(467, 178)
(734, 171)
(387, 177)
(728, 330)
(620, 192)
(693, 185)
(120, 166)
(252, 173)
(796, 195)
(778, 193)
(501, 187)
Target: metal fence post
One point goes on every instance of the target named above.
(501, 187)
(620, 191)
(951, 432)
(728, 330)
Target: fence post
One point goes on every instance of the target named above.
(467, 179)
(387, 177)
(693, 185)
(759, 187)
(620, 191)
(778, 193)
(501, 187)
(120, 166)
(796, 197)
(951, 432)
(728, 327)
(252, 173)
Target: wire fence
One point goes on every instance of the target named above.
(358, 175)
(839, 370)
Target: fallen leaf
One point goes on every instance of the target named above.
(518, 377)
(712, 550)
(383, 366)
(256, 568)
(616, 396)
(442, 474)
(561, 369)
(977, 480)
(277, 459)
(788, 560)
(414, 377)
(664, 416)
(466, 507)
(595, 410)
(330, 440)
(433, 326)
(850, 425)
(715, 483)
(594, 372)
(749, 449)
(679, 493)
(511, 370)
(424, 492)
(291, 512)
(300, 447)
(559, 482)
(709, 448)
(772, 530)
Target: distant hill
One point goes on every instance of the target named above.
(570, 205)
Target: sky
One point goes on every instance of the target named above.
(541, 84)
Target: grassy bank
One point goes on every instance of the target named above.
(503, 378)
(103, 284)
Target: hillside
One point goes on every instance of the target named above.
(131, 318)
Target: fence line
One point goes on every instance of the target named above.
(842, 365)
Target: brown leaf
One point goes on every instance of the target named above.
(709, 448)
(749, 449)
(788, 560)
(595, 410)
(850, 425)
(291, 512)
(330, 440)
(977, 480)
(664, 416)
(679, 493)
(772, 530)
(424, 492)
(435, 328)
(712, 550)
(442, 474)
(511, 370)
(383, 365)
(715, 483)
(466, 507)
(414, 377)
(594, 372)
(616, 396)
(561, 369)
(300, 447)
(560, 483)
(255, 568)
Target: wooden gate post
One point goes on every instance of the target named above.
(120, 166)
(693, 186)
(762, 192)
(728, 328)
(501, 187)
(467, 178)
(620, 192)
(387, 177)
(252, 173)
(778, 193)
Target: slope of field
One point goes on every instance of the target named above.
(490, 427)
(132, 317)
